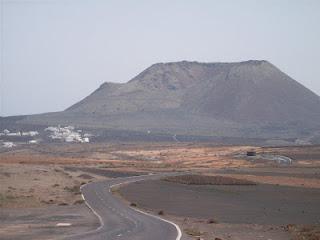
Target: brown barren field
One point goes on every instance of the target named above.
(45, 178)
(207, 180)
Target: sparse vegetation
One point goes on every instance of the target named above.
(115, 190)
(80, 201)
(207, 180)
(251, 153)
(133, 204)
(211, 221)
(50, 184)
(63, 204)
(192, 232)
(161, 212)
(310, 232)
(74, 189)
(4, 199)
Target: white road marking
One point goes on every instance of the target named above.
(63, 224)
(99, 217)
(137, 210)
(165, 220)
(148, 214)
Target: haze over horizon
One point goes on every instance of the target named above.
(54, 52)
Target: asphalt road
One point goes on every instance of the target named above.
(118, 221)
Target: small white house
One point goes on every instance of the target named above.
(30, 133)
(14, 134)
(6, 131)
(69, 139)
(8, 144)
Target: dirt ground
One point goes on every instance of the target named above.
(246, 204)
(132, 155)
(41, 223)
(26, 186)
(44, 180)
(237, 212)
(156, 156)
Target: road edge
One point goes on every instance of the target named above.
(162, 219)
(179, 233)
(94, 212)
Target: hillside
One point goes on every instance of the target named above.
(245, 99)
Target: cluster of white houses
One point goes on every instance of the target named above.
(8, 144)
(65, 134)
(68, 134)
(6, 132)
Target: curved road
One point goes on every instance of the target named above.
(118, 221)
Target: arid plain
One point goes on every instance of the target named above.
(40, 189)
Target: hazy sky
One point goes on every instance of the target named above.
(55, 52)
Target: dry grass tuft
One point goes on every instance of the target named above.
(192, 232)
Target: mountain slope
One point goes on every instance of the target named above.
(251, 98)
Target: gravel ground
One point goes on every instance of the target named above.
(41, 223)
(257, 204)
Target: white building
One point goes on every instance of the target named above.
(67, 134)
(30, 133)
(8, 144)
(6, 131)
